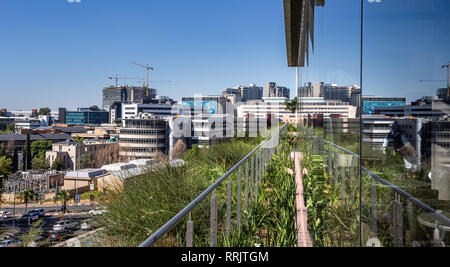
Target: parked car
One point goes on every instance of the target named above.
(5, 214)
(97, 212)
(39, 211)
(28, 217)
(37, 241)
(86, 225)
(59, 236)
(64, 225)
(54, 236)
(10, 243)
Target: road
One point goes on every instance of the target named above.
(70, 207)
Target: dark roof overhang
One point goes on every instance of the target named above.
(299, 24)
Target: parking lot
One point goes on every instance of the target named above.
(12, 229)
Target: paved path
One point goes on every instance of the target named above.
(303, 236)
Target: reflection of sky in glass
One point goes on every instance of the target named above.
(369, 107)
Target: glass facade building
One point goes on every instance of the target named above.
(87, 117)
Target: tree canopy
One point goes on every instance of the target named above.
(44, 111)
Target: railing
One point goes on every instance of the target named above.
(255, 164)
(341, 164)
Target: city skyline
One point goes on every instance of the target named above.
(60, 53)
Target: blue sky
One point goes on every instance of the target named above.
(60, 54)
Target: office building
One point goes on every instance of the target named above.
(70, 152)
(210, 129)
(17, 141)
(145, 136)
(124, 94)
(130, 111)
(86, 117)
(204, 105)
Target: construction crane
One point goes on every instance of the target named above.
(148, 68)
(117, 78)
(448, 73)
(448, 76)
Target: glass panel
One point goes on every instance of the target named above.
(329, 107)
(405, 129)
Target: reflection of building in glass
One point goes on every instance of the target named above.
(426, 107)
(370, 103)
(273, 90)
(436, 141)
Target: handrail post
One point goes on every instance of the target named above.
(336, 167)
(257, 172)
(330, 163)
(228, 223)
(239, 196)
(246, 187)
(350, 177)
(398, 221)
(213, 226)
(374, 207)
(252, 173)
(343, 191)
(190, 232)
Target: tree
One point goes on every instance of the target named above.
(292, 105)
(6, 128)
(39, 147)
(178, 149)
(64, 197)
(28, 240)
(26, 152)
(86, 161)
(15, 161)
(2, 151)
(5, 166)
(78, 139)
(40, 163)
(26, 196)
(58, 165)
(44, 111)
(94, 108)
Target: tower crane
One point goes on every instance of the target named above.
(117, 78)
(148, 68)
(448, 76)
(448, 73)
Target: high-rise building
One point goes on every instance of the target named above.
(62, 115)
(338, 92)
(272, 90)
(244, 93)
(127, 94)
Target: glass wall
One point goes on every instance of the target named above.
(385, 152)
(405, 197)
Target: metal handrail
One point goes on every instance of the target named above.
(183, 213)
(398, 190)
(408, 196)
